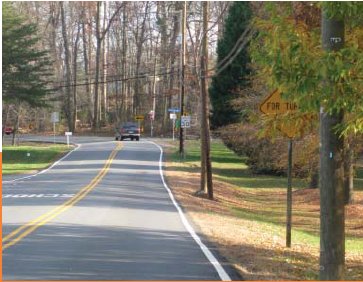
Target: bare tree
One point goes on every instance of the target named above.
(100, 36)
(67, 107)
(206, 173)
(75, 56)
(86, 63)
(118, 44)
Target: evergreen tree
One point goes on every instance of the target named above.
(224, 87)
(25, 69)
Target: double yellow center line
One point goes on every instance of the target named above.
(24, 230)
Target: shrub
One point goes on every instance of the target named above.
(266, 156)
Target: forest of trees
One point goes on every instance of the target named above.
(113, 60)
(102, 63)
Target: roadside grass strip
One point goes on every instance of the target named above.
(29, 158)
(209, 255)
(24, 230)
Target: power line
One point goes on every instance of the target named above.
(240, 44)
(115, 80)
(92, 73)
(232, 58)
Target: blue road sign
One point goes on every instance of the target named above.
(174, 110)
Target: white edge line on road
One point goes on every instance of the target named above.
(212, 259)
(44, 170)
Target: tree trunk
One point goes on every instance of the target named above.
(68, 106)
(103, 89)
(75, 55)
(100, 36)
(103, 69)
(332, 240)
(348, 173)
(314, 180)
(139, 46)
(203, 171)
(5, 115)
(97, 71)
(182, 81)
(86, 72)
(124, 92)
(105, 75)
(16, 125)
(90, 65)
(56, 52)
(172, 55)
(205, 110)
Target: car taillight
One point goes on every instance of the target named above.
(123, 130)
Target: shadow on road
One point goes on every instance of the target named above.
(71, 252)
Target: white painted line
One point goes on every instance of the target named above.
(38, 195)
(44, 170)
(212, 259)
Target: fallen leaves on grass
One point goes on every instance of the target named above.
(257, 248)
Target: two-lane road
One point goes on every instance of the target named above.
(102, 213)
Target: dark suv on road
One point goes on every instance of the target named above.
(128, 130)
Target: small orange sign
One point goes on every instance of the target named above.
(274, 104)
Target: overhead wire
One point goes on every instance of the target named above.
(239, 45)
(243, 44)
(114, 80)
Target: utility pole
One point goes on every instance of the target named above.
(206, 171)
(152, 116)
(332, 237)
(182, 77)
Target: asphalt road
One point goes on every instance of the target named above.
(102, 213)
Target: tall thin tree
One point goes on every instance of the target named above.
(100, 36)
(68, 105)
(206, 162)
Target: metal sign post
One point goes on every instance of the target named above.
(152, 117)
(54, 118)
(173, 118)
(289, 196)
(151, 128)
(275, 105)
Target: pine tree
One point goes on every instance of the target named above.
(25, 72)
(224, 88)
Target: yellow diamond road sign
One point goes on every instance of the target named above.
(274, 104)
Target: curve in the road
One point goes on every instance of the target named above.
(26, 229)
(212, 259)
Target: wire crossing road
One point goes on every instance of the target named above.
(116, 220)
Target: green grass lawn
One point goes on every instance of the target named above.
(230, 168)
(17, 161)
